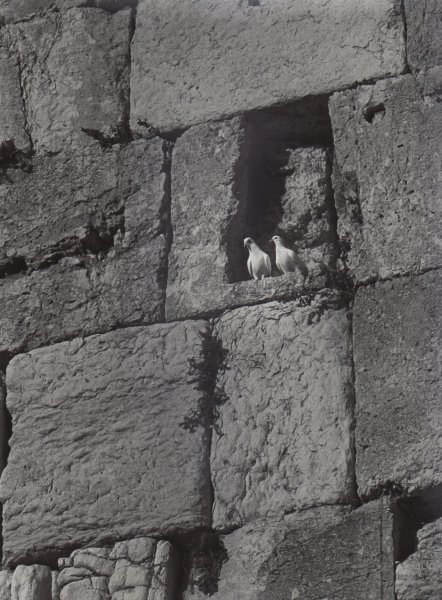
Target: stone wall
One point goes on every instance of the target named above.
(171, 429)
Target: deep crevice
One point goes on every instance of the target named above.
(5, 428)
(377, 279)
(351, 395)
(120, 136)
(165, 217)
(203, 554)
(407, 68)
(12, 158)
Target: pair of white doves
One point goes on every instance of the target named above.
(259, 264)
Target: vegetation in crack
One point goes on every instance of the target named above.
(204, 373)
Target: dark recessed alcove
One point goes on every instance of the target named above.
(411, 514)
(283, 185)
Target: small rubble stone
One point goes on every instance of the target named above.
(419, 577)
(93, 588)
(232, 56)
(283, 419)
(138, 550)
(328, 552)
(397, 340)
(106, 417)
(387, 177)
(33, 582)
(74, 70)
(165, 571)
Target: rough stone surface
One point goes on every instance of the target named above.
(33, 582)
(136, 569)
(13, 123)
(397, 340)
(15, 10)
(327, 552)
(230, 56)
(419, 577)
(93, 227)
(424, 32)
(103, 419)
(75, 76)
(388, 177)
(217, 170)
(282, 436)
(5, 585)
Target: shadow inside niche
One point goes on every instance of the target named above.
(411, 514)
(283, 183)
(203, 555)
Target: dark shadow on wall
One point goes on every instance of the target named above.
(411, 514)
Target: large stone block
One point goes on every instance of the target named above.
(419, 577)
(74, 69)
(424, 32)
(92, 228)
(228, 57)
(328, 552)
(247, 177)
(99, 449)
(397, 340)
(283, 426)
(388, 177)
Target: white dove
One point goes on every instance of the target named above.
(287, 260)
(258, 263)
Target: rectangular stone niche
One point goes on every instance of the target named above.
(258, 175)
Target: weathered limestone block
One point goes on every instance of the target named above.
(99, 448)
(282, 436)
(419, 577)
(70, 204)
(100, 220)
(75, 76)
(328, 552)
(216, 204)
(397, 340)
(13, 123)
(424, 32)
(165, 573)
(228, 57)
(33, 582)
(93, 588)
(388, 177)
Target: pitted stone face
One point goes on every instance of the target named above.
(397, 341)
(74, 75)
(98, 431)
(233, 56)
(282, 435)
(85, 238)
(387, 176)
